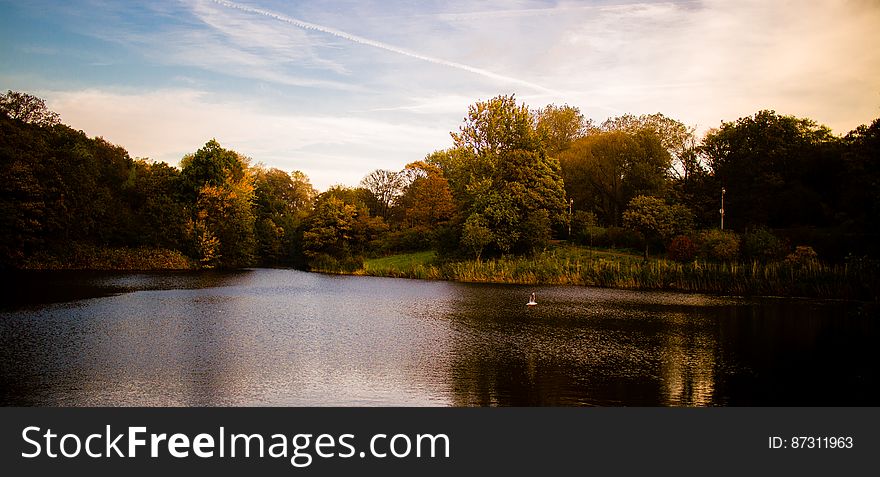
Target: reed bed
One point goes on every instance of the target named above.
(855, 281)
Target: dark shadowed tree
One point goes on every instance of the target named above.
(778, 171)
(859, 201)
(155, 199)
(27, 108)
(62, 189)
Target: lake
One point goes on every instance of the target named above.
(289, 338)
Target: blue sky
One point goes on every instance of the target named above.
(337, 89)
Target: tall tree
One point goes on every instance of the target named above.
(223, 217)
(776, 170)
(211, 165)
(501, 172)
(495, 127)
(329, 229)
(384, 188)
(675, 136)
(859, 200)
(427, 200)
(339, 230)
(560, 126)
(604, 171)
(281, 202)
(156, 202)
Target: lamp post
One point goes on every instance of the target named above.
(570, 204)
(722, 207)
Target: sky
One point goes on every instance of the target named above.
(337, 89)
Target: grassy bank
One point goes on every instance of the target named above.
(86, 257)
(567, 265)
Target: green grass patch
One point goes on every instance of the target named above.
(572, 265)
(404, 265)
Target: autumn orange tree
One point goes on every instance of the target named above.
(222, 220)
(426, 201)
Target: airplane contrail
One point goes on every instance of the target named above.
(383, 46)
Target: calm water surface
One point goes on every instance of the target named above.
(283, 337)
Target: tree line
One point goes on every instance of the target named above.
(513, 180)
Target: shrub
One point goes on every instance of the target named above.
(682, 249)
(761, 245)
(404, 240)
(720, 245)
(617, 237)
(595, 236)
(323, 262)
(802, 255)
(583, 224)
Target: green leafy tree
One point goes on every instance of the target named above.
(721, 245)
(604, 171)
(340, 231)
(462, 170)
(329, 229)
(559, 126)
(677, 138)
(211, 165)
(500, 172)
(476, 235)
(496, 126)
(655, 219)
(281, 202)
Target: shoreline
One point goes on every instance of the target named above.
(616, 270)
(569, 266)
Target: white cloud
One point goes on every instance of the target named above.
(167, 124)
(707, 61)
(273, 44)
(360, 40)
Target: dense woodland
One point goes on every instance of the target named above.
(514, 180)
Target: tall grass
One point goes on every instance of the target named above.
(620, 270)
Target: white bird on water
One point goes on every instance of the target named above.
(532, 301)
